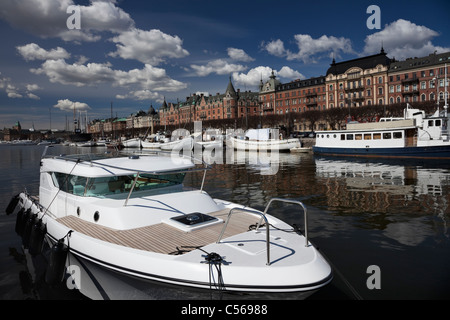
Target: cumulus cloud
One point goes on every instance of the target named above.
(149, 77)
(47, 18)
(239, 55)
(32, 51)
(142, 95)
(309, 49)
(254, 76)
(150, 47)
(14, 92)
(288, 73)
(275, 48)
(403, 39)
(218, 66)
(67, 105)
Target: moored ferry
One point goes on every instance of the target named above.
(415, 135)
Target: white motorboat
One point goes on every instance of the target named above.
(132, 143)
(262, 140)
(186, 143)
(125, 227)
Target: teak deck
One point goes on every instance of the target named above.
(162, 238)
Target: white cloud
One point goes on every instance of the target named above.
(309, 49)
(288, 73)
(218, 66)
(149, 77)
(254, 76)
(150, 47)
(67, 105)
(32, 96)
(275, 48)
(239, 55)
(12, 91)
(32, 51)
(47, 18)
(32, 87)
(142, 95)
(403, 39)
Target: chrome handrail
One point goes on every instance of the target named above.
(254, 212)
(293, 202)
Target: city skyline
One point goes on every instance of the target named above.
(134, 54)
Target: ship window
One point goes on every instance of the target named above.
(367, 136)
(376, 136)
(342, 136)
(358, 136)
(430, 123)
(398, 135)
(349, 136)
(102, 186)
(387, 135)
(438, 123)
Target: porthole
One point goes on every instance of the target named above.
(78, 211)
(96, 216)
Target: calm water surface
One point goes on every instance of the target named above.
(393, 215)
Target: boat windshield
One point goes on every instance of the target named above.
(104, 186)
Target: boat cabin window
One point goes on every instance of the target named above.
(387, 135)
(367, 136)
(358, 136)
(103, 186)
(342, 136)
(349, 136)
(376, 136)
(398, 135)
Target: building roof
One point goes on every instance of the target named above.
(368, 62)
(413, 63)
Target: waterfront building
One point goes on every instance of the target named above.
(376, 80)
(358, 82)
(418, 79)
(233, 104)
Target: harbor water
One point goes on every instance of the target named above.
(382, 225)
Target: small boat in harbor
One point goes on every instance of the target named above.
(124, 227)
(262, 140)
(132, 143)
(415, 135)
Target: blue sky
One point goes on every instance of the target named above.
(134, 54)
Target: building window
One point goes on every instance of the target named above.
(423, 85)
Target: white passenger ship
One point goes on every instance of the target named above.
(413, 136)
(128, 229)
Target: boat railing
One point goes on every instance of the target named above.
(291, 201)
(263, 217)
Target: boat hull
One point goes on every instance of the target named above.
(101, 270)
(268, 145)
(428, 152)
(100, 282)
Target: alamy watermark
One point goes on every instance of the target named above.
(374, 21)
(374, 280)
(74, 20)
